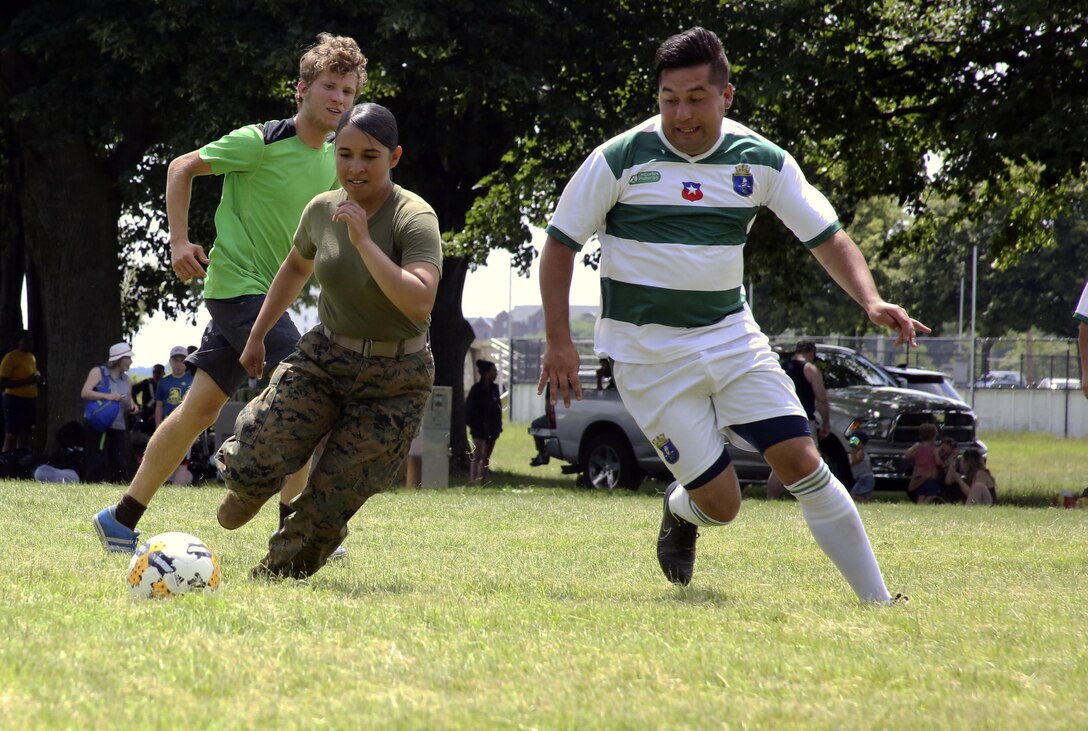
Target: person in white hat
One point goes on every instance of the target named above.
(108, 454)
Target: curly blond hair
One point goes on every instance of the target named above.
(338, 54)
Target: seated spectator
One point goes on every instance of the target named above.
(924, 487)
(977, 483)
(864, 480)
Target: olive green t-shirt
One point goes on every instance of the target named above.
(269, 177)
(351, 303)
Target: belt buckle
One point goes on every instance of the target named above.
(368, 346)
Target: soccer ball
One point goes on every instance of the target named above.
(171, 564)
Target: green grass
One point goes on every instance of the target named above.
(530, 605)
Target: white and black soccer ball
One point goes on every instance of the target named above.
(170, 564)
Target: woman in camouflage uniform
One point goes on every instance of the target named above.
(363, 375)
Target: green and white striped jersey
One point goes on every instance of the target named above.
(672, 230)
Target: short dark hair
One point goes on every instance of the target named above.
(694, 47)
(805, 346)
(375, 120)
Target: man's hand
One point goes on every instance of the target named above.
(252, 358)
(559, 371)
(187, 259)
(896, 318)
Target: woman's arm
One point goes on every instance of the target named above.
(288, 283)
(89, 394)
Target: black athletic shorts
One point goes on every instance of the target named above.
(225, 338)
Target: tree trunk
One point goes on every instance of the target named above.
(451, 336)
(12, 258)
(70, 209)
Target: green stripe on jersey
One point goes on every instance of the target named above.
(636, 149)
(680, 224)
(640, 304)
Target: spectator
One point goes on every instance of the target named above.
(143, 395)
(108, 454)
(977, 483)
(20, 379)
(924, 486)
(864, 480)
(168, 394)
(808, 382)
(947, 463)
(483, 415)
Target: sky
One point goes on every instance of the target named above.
(488, 292)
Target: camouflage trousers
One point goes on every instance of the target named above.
(370, 408)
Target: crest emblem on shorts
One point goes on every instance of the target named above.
(743, 182)
(668, 450)
(692, 191)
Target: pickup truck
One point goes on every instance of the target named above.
(599, 439)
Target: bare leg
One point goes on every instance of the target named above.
(168, 445)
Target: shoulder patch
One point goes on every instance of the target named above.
(281, 129)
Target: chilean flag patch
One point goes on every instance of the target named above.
(692, 191)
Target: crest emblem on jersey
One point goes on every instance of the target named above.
(692, 191)
(743, 182)
(668, 450)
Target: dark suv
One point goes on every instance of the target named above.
(598, 438)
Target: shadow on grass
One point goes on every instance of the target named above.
(700, 596)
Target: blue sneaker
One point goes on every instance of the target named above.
(115, 537)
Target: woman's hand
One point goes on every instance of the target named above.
(252, 358)
(352, 214)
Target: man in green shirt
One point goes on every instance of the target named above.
(271, 171)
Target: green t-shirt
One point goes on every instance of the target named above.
(351, 303)
(269, 177)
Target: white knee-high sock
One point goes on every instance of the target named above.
(834, 522)
(682, 506)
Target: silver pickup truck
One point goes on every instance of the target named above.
(599, 439)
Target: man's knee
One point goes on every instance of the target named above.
(720, 497)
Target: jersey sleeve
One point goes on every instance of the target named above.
(239, 151)
(803, 209)
(590, 194)
(1081, 313)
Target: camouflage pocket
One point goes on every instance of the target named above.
(252, 419)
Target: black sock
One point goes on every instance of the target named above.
(285, 510)
(129, 511)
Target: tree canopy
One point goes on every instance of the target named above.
(498, 103)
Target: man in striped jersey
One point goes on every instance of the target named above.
(671, 202)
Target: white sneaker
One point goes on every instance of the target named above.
(339, 553)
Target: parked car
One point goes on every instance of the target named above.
(1001, 379)
(923, 380)
(1060, 384)
(598, 438)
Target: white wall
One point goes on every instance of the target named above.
(1062, 413)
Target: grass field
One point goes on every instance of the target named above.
(527, 604)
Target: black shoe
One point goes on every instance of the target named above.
(676, 544)
(539, 461)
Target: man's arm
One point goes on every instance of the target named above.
(816, 380)
(843, 260)
(187, 259)
(286, 286)
(559, 366)
(1082, 345)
